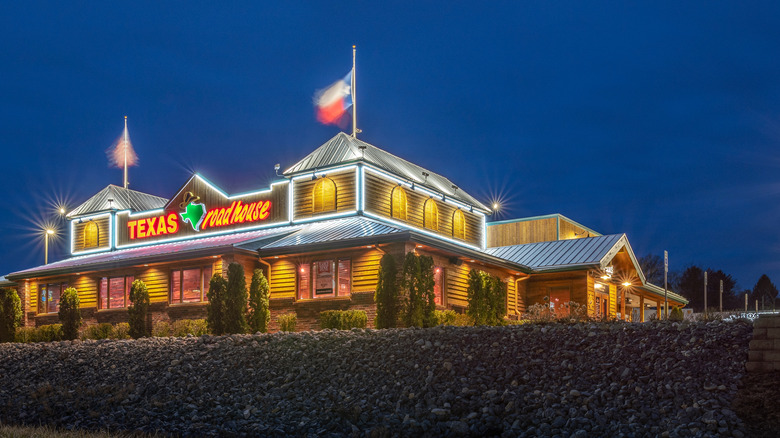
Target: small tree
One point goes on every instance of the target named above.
(486, 298)
(386, 295)
(215, 310)
(418, 282)
(10, 314)
(235, 300)
(259, 313)
(138, 312)
(70, 314)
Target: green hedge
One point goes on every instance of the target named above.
(181, 328)
(343, 319)
(44, 333)
(287, 322)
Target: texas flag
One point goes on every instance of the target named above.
(332, 103)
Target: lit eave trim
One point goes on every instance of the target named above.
(448, 198)
(326, 216)
(111, 234)
(239, 195)
(421, 230)
(323, 172)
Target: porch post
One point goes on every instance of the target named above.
(641, 307)
(623, 303)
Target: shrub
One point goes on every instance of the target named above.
(161, 329)
(343, 319)
(386, 295)
(184, 327)
(235, 300)
(25, 334)
(99, 331)
(70, 315)
(215, 310)
(451, 317)
(287, 322)
(121, 331)
(419, 299)
(138, 312)
(48, 333)
(10, 314)
(676, 314)
(487, 298)
(258, 314)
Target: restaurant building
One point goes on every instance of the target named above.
(318, 234)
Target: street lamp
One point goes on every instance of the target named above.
(48, 232)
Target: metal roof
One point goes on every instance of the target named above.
(126, 257)
(344, 148)
(558, 254)
(122, 199)
(336, 230)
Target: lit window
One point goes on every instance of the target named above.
(114, 292)
(49, 297)
(398, 203)
(458, 225)
(438, 277)
(91, 235)
(431, 216)
(324, 195)
(190, 285)
(324, 278)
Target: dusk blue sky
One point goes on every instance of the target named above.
(656, 119)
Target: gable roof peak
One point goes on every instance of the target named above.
(114, 197)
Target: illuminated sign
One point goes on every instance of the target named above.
(199, 217)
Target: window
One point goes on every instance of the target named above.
(398, 203)
(114, 292)
(190, 285)
(458, 225)
(431, 215)
(324, 195)
(49, 297)
(91, 235)
(325, 278)
(438, 282)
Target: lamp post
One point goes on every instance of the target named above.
(48, 232)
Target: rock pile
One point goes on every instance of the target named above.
(606, 379)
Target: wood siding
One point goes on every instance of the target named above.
(103, 233)
(87, 287)
(282, 281)
(156, 279)
(521, 232)
(539, 286)
(570, 230)
(345, 195)
(379, 192)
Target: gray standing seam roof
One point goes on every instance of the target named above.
(123, 199)
(336, 230)
(344, 148)
(558, 253)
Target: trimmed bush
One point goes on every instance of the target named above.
(184, 327)
(386, 295)
(215, 310)
(676, 314)
(138, 312)
(26, 334)
(10, 314)
(417, 283)
(161, 329)
(451, 317)
(258, 314)
(235, 300)
(99, 331)
(287, 322)
(343, 319)
(121, 331)
(48, 333)
(70, 315)
(487, 298)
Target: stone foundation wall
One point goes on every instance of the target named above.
(764, 354)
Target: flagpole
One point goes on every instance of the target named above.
(354, 97)
(125, 151)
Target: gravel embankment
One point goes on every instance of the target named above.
(581, 380)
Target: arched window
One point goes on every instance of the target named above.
(324, 195)
(458, 225)
(398, 203)
(431, 215)
(91, 235)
